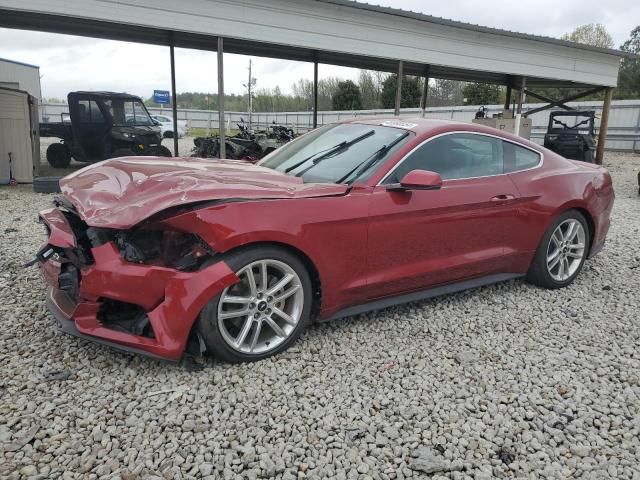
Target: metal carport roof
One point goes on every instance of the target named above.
(339, 32)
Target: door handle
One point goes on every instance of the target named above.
(503, 197)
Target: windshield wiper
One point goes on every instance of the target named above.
(328, 152)
(306, 159)
(364, 166)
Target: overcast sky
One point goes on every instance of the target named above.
(70, 63)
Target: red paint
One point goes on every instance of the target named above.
(366, 242)
(122, 192)
(172, 299)
(419, 179)
(61, 233)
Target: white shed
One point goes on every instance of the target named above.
(19, 140)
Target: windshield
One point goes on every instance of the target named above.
(129, 112)
(330, 153)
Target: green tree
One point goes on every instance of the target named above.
(481, 94)
(444, 92)
(370, 84)
(347, 97)
(409, 93)
(629, 78)
(593, 34)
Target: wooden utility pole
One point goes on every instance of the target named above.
(523, 85)
(250, 97)
(425, 90)
(507, 99)
(398, 89)
(315, 93)
(604, 125)
(174, 96)
(221, 137)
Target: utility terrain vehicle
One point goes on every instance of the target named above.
(103, 125)
(577, 141)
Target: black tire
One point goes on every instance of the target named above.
(590, 156)
(123, 152)
(208, 325)
(538, 273)
(167, 134)
(159, 151)
(46, 184)
(58, 155)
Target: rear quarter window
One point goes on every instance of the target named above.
(517, 158)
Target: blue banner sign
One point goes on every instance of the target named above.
(161, 97)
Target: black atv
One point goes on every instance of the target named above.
(245, 145)
(103, 125)
(576, 139)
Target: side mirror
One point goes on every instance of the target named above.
(417, 180)
(156, 123)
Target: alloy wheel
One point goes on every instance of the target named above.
(566, 250)
(261, 311)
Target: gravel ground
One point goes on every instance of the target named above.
(503, 381)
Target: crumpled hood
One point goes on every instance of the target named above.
(120, 193)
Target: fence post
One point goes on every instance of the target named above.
(604, 125)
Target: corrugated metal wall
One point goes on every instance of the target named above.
(26, 77)
(623, 134)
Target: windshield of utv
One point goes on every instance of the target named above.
(338, 153)
(128, 112)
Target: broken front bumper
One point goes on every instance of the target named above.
(171, 299)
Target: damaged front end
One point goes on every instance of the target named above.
(139, 290)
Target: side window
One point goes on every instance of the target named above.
(89, 112)
(455, 156)
(519, 158)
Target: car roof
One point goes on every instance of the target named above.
(414, 124)
(424, 127)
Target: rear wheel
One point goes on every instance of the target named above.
(58, 155)
(562, 252)
(262, 314)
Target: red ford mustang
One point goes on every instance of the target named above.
(165, 256)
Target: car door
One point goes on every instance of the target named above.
(423, 238)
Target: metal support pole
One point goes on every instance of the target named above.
(315, 93)
(425, 90)
(520, 102)
(604, 125)
(221, 127)
(398, 89)
(174, 97)
(507, 100)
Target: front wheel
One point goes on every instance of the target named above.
(262, 314)
(58, 155)
(562, 252)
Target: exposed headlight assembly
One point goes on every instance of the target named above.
(167, 248)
